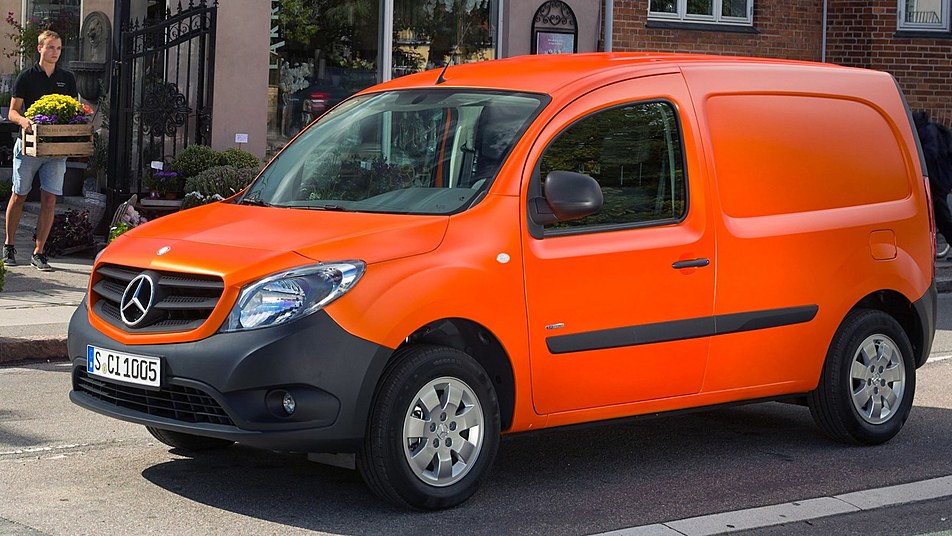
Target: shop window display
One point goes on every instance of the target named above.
(61, 16)
(434, 33)
(323, 51)
(327, 51)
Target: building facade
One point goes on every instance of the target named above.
(909, 38)
(279, 63)
(912, 41)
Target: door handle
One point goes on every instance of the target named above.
(693, 263)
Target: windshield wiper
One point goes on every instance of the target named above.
(328, 206)
(255, 202)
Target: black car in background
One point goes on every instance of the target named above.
(309, 103)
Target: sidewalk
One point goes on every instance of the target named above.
(35, 306)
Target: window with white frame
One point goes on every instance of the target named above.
(711, 11)
(924, 15)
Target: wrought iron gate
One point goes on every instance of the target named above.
(164, 100)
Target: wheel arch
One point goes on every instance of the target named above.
(911, 316)
(482, 345)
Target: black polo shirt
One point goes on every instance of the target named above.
(33, 83)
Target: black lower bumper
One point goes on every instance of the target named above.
(231, 385)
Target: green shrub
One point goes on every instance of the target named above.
(195, 199)
(239, 159)
(6, 188)
(120, 228)
(194, 159)
(3, 271)
(192, 199)
(225, 181)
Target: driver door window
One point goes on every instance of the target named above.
(634, 152)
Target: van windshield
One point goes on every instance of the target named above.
(423, 151)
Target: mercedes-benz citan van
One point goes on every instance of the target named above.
(529, 243)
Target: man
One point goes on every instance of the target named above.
(938, 157)
(42, 79)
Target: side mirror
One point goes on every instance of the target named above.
(568, 196)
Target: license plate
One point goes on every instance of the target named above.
(123, 367)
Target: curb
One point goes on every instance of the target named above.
(943, 285)
(795, 512)
(14, 351)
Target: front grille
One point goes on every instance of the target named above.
(182, 301)
(175, 402)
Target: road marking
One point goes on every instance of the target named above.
(937, 358)
(35, 450)
(12, 527)
(779, 514)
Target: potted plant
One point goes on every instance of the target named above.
(71, 232)
(23, 38)
(194, 159)
(216, 183)
(164, 184)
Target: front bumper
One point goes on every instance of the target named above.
(224, 386)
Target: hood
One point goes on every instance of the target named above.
(226, 239)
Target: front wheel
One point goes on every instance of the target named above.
(433, 431)
(868, 380)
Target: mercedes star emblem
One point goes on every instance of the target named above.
(136, 300)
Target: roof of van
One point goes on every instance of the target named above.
(549, 72)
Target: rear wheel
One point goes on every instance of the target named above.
(433, 431)
(188, 442)
(868, 380)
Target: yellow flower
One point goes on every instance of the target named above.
(63, 107)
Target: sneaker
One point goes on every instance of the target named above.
(9, 255)
(942, 251)
(39, 260)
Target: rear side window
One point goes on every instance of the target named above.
(784, 154)
(634, 152)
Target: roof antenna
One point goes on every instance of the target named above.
(440, 79)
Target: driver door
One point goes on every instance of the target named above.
(620, 303)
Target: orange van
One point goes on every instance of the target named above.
(528, 243)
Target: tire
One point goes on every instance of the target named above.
(188, 442)
(868, 380)
(434, 404)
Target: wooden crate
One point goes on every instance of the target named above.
(58, 140)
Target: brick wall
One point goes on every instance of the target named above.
(863, 34)
(785, 29)
(860, 33)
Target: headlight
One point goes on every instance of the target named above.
(292, 294)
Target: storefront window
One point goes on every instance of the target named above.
(323, 51)
(61, 16)
(433, 33)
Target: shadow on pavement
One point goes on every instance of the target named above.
(598, 478)
(14, 440)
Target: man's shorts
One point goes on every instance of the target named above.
(51, 171)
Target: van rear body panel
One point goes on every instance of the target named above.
(811, 170)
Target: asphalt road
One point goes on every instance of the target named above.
(64, 470)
